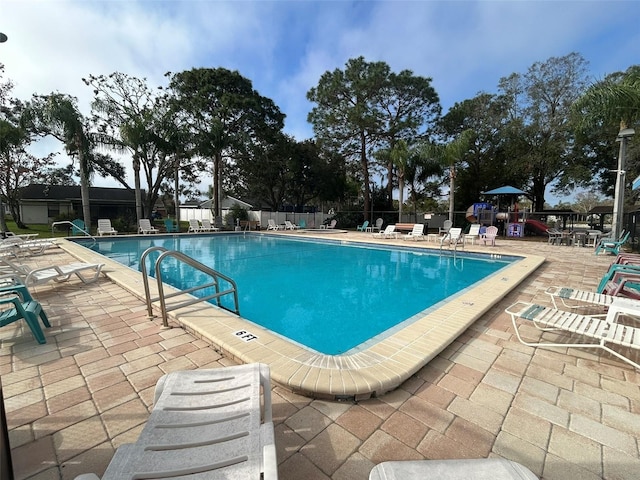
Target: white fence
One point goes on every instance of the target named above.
(311, 220)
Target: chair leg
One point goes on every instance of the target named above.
(44, 319)
(32, 321)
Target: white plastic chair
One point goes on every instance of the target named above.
(105, 228)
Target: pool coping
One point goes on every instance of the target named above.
(372, 371)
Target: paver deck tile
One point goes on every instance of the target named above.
(529, 428)
(521, 451)
(331, 448)
(484, 395)
(405, 428)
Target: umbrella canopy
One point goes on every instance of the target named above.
(506, 190)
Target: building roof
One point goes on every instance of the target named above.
(226, 203)
(601, 209)
(39, 192)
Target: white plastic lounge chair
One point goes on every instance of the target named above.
(332, 224)
(452, 238)
(463, 469)
(416, 234)
(569, 297)
(378, 226)
(105, 228)
(601, 330)
(86, 272)
(290, 226)
(207, 227)
(473, 234)
(602, 303)
(20, 246)
(490, 235)
(204, 424)
(388, 232)
(145, 227)
(194, 225)
(271, 225)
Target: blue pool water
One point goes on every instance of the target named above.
(326, 295)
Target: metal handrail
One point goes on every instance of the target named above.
(215, 282)
(73, 225)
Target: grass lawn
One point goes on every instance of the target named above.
(44, 231)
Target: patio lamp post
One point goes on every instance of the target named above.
(618, 201)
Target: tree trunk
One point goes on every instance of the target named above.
(176, 194)
(452, 189)
(3, 221)
(364, 165)
(84, 187)
(400, 195)
(138, 189)
(217, 170)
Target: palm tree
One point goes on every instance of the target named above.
(421, 166)
(59, 117)
(612, 100)
(399, 156)
(451, 155)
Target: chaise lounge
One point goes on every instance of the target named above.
(105, 228)
(86, 272)
(603, 331)
(204, 424)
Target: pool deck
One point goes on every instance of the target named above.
(562, 413)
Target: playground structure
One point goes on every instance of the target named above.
(511, 222)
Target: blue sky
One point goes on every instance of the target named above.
(284, 47)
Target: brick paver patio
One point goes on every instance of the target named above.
(563, 414)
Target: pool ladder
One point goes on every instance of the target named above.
(191, 300)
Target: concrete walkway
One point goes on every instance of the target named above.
(563, 414)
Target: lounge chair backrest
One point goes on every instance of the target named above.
(418, 229)
(455, 233)
(333, 223)
(446, 226)
(104, 226)
(169, 225)
(492, 231)
(474, 229)
(390, 229)
(379, 222)
(206, 223)
(78, 227)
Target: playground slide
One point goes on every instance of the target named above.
(536, 227)
(469, 215)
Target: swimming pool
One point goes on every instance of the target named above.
(332, 297)
(373, 369)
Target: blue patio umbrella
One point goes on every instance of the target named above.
(506, 190)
